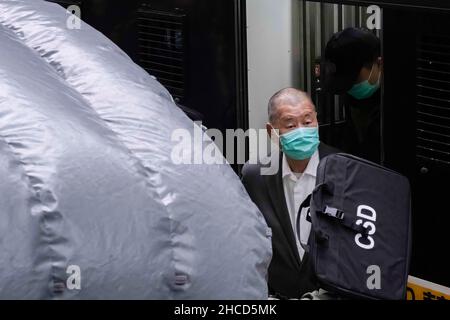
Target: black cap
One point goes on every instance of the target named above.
(345, 55)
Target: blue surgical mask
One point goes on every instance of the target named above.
(364, 90)
(301, 143)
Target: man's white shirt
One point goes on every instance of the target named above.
(297, 187)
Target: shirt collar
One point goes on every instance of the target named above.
(311, 168)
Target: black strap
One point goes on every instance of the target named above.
(353, 226)
(339, 215)
(305, 204)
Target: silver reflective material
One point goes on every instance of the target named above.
(91, 204)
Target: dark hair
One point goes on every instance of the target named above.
(346, 53)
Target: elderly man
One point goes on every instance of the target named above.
(292, 123)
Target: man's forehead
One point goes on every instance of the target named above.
(299, 109)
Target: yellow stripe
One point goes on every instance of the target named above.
(419, 289)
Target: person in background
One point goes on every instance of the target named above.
(352, 66)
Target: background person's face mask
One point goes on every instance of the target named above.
(301, 143)
(364, 90)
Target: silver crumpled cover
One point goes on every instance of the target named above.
(91, 205)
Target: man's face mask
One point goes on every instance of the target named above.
(301, 143)
(364, 90)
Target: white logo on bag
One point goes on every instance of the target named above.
(74, 280)
(374, 281)
(367, 213)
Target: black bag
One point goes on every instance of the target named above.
(360, 238)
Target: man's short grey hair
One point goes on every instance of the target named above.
(287, 96)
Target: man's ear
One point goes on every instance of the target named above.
(269, 129)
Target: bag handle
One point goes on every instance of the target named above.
(305, 204)
(335, 213)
